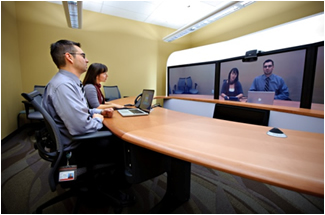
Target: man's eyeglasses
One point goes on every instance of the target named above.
(268, 66)
(82, 54)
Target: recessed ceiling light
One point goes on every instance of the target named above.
(73, 13)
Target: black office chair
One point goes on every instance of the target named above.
(29, 111)
(242, 114)
(51, 149)
(40, 89)
(111, 93)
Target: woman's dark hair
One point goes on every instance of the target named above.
(59, 48)
(234, 70)
(94, 70)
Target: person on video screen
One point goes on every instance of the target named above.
(231, 87)
(270, 82)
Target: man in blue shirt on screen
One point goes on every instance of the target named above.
(270, 82)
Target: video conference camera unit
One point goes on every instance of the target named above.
(251, 56)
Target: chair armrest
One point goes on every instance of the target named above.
(98, 134)
(27, 106)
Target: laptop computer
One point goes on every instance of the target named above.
(144, 108)
(260, 97)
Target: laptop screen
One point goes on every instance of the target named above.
(146, 100)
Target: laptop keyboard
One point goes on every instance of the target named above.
(136, 111)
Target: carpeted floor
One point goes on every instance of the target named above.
(24, 186)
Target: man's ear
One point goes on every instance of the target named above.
(68, 57)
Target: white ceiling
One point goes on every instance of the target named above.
(168, 13)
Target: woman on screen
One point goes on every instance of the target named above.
(231, 87)
(96, 73)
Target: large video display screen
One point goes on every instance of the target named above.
(300, 68)
(193, 79)
(288, 65)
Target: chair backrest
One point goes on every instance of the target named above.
(242, 114)
(111, 93)
(181, 84)
(188, 84)
(55, 156)
(189, 87)
(40, 89)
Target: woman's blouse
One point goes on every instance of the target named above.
(238, 89)
(91, 95)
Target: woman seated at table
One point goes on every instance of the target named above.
(232, 87)
(97, 73)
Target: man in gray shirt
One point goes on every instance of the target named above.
(64, 96)
(65, 101)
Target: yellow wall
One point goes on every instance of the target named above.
(11, 81)
(130, 49)
(133, 51)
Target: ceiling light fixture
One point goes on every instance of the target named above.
(208, 19)
(73, 13)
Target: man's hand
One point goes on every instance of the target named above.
(98, 116)
(108, 112)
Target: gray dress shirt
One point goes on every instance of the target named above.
(64, 100)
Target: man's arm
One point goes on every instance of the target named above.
(282, 92)
(254, 85)
(72, 108)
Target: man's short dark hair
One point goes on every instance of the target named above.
(268, 60)
(59, 48)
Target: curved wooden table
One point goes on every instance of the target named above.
(295, 162)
